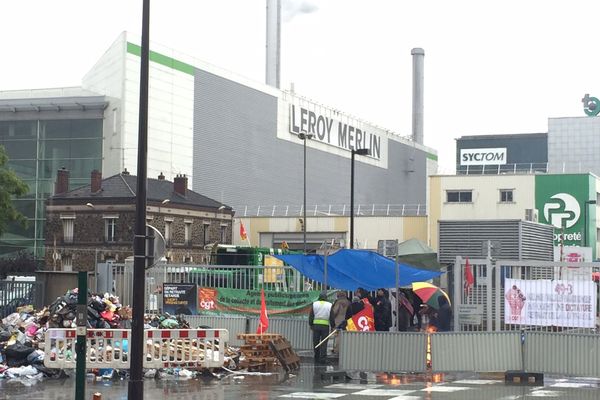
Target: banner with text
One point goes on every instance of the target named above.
(550, 303)
(180, 298)
(242, 301)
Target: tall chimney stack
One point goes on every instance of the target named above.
(62, 181)
(273, 42)
(96, 181)
(417, 100)
(180, 184)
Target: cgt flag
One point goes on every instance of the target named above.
(469, 279)
(263, 322)
(362, 321)
(243, 234)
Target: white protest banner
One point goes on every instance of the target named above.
(550, 303)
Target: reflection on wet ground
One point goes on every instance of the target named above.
(307, 384)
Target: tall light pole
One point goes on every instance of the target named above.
(585, 227)
(304, 137)
(137, 344)
(360, 152)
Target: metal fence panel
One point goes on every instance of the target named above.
(383, 351)
(486, 297)
(404, 352)
(557, 353)
(17, 294)
(295, 330)
(233, 324)
(360, 351)
(475, 351)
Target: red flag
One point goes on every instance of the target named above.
(469, 279)
(362, 321)
(263, 322)
(243, 234)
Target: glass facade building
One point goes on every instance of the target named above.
(40, 138)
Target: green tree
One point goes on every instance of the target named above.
(10, 185)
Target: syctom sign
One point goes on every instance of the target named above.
(490, 156)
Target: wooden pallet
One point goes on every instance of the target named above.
(284, 353)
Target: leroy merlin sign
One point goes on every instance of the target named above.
(561, 201)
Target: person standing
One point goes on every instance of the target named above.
(444, 315)
(318, 319)
(338, 315)
(383, 311)
(406, 312)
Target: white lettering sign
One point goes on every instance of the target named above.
(335, 133)
(567, 303)
(495, 156)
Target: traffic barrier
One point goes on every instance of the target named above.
(185, 348)
(109, 348)
(105, 348)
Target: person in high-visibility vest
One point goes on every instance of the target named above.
(318, 319)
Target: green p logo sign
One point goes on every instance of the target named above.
(591, 105)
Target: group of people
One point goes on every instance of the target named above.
(325, 316)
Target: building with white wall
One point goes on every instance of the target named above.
(568, 202)
(237, 140)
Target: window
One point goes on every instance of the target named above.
(223, 234)
(188, 232)
(109, 229)
(506, 195)
(67, 263)
(206, 237)
(68, 223)
(167, 231)
(459, 196)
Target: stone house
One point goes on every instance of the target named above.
(96, 223)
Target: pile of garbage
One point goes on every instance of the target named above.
(21, 346)
(22, 336)
(104, 312)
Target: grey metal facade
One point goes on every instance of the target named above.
(239, 160)
(519, 240)
(522, 151)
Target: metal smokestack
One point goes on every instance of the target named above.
(417, 102)
(273, 42)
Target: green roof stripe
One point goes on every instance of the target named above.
(432, 156)
(162, 59)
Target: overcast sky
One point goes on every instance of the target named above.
(491, 67)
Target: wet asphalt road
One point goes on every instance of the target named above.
(307, 384)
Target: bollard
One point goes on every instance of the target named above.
(97, 396)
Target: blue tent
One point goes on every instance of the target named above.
(350, 269)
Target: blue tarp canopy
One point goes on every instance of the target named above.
(349, 269)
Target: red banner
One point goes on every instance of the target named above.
(362, 321)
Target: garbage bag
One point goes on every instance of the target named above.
(16, 354)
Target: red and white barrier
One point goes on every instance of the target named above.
(109, 348)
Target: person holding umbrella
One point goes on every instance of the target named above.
(437, 305)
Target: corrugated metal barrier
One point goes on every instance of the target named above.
(476, 351)
(558, 353)
(383, 351)
(296, 330)
(233, 324)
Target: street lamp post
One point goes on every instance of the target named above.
(585, 227)
(360, 152)
(304, 137)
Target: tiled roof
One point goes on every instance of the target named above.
(125, 186)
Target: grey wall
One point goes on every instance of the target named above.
(239, 160)
(531, 148)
